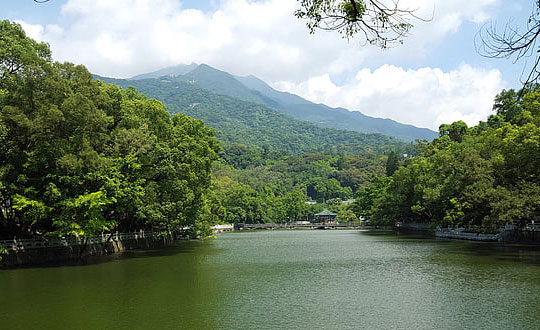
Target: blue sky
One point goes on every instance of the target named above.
(435, 77)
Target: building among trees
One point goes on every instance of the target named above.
(325, 216)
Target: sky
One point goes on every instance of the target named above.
(436, 76)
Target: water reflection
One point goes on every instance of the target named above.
(286, 279)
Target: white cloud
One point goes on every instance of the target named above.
(122, 38)
(425, 97)
(126, 37)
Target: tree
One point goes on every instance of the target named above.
(365, 198)
(381, 23)
(294, 204)
(512, 42)
(455, 131)
(18, 53)
(479, 178)
(392, 163)
(347, 215)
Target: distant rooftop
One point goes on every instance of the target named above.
(326, 212)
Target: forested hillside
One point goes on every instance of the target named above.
(252, 89)
(271, 163)
(254, 124)
(338, 118)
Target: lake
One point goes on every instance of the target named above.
(285, 279)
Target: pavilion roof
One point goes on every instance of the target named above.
(326, 212)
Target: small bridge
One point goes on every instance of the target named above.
(254, 226)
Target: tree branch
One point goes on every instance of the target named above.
(511, 43)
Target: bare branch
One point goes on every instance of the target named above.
(380, 23)
(513, 43)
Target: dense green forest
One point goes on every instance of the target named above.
(250, 187)
(270, 163)
(81, 157)
(480, 177)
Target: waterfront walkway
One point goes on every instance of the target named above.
(254, 226)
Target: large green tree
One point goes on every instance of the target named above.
(81, 157)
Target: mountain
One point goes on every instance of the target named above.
(339, 118)
(171, 71)
(252, 89)
(254, 124)
(283, 98)
(220, 82)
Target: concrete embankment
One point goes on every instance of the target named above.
(508, 234)
(524, 236)
(469, 236)
(41, 252)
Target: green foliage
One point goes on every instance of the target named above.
(481, 178)
(19, 54)
(347, 215)
(3, 251)
(392, 163)
(81, 157)
(455, 131)
(275, 188)
(366, 198)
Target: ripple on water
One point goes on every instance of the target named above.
(339, 279)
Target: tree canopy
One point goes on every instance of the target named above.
(81, 157)
(480, 178)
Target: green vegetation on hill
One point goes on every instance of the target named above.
(252, 89)
(338, 118)
(249, 186)
(254, 124)
(271, 163)
(221, 83)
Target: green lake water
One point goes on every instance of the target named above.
(287, 279)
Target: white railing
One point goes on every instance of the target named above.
(23, 244)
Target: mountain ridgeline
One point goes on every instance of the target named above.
(252, 89)
(250, 122)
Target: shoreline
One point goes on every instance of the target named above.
(58, 255)
(504, 236)
(23, 253)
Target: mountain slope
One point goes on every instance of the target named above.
(339, 118)
(171, 71)
(254, 124)
(221, 83)
(252, 89)
(283, 98)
